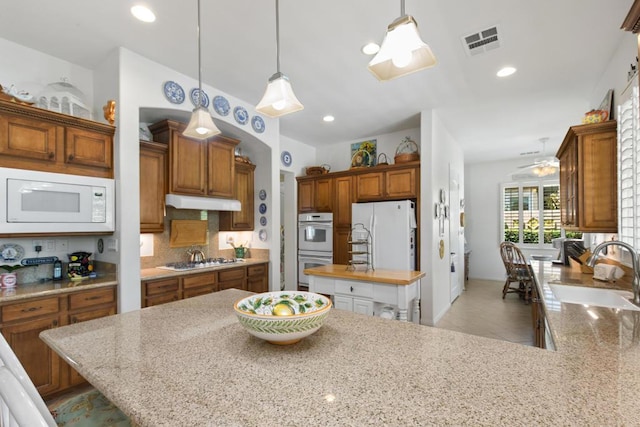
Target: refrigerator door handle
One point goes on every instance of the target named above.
(373, 240)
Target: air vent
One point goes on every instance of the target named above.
(528, 153)
(482, 41)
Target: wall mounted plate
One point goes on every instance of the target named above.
(241, 115)
(262, 194)
(263, 235)
(263, 221)
(221, 105)
(11, 252)
(204, 98)
(258, 124)
(262, 208)
(286, 158)
(173, 92)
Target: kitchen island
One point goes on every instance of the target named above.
(190, 362)
(369, 291)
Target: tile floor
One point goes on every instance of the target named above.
(480, 310)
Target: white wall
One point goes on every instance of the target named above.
(338, 155)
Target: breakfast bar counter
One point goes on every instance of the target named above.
(190, 362)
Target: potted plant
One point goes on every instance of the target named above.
(241, 250)
(9, 280)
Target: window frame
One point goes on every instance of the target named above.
(540, 183)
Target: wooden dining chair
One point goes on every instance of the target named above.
(22, 405)
(518, 272)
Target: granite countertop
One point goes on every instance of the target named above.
(159, 273)
(394, 277)
(49, 287)
(203, 368)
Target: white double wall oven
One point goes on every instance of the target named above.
(315, 243)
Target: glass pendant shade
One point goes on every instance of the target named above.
(201, 125)
(402, 51)
(279, 98)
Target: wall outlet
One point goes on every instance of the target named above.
(229, 239)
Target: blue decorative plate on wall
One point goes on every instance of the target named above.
(263, 221)
(241, 115)
(257, 124)
(173, 92)
(221, 105)
(262, 208)
(286, 158)
(204, 98)
(262, 194)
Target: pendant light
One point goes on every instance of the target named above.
(402, 51)
(201, 125)
(278, 98)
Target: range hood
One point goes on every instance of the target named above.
(202, 203)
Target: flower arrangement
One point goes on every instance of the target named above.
(240, 250)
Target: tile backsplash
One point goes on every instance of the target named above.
(163, 254)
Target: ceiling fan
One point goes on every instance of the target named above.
(543, 166)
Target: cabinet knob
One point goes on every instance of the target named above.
(55, 323)
(71, 157)
(52, 155)
(74, 319)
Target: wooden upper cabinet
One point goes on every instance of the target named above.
(242, 220)
(36, 139)
(153, 186)
(197, 168)
(343, 199)
(221, 167)
(315, 194)
(391, 184)
(88, 148)
(589, 175)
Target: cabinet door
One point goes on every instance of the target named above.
(363, 306)
(341, 246)
(569, 184)
(74, 377)
(188, 165)
(369, 186)
(242, 220)
(232, 278)
(306, 196)
(153, 186)
(343, 303)
(401, 183)
(28, 138)
(38, 359)
(343, 200)
(160, 291)
(258, 278)
(221, 166)
(598, 193)
(87, 148)
(323, 194)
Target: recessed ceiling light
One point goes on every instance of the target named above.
(328, 118)
(143, 13)
(506, 71)
(370, 48)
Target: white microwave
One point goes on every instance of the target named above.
(45, 202)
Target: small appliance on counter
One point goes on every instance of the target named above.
(80, 265)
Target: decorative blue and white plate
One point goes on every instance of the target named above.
(262, 208)
(263, 221)
(262, 235)
(173, 92)
(204, 98)
(241, 115)
(221, 105)
(262, 194)
(286, 158)
(257, 124)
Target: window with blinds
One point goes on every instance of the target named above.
(629, 170)
(531, 213)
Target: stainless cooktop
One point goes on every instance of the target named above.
(211, 262)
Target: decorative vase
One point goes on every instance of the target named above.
(8, 280)
(240, 252)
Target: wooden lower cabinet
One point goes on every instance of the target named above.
(258, 278)
(254, 278)
(22, 321)
(341, 246)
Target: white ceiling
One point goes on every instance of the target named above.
(560, 47)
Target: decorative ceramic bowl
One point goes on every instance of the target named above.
(283, 317)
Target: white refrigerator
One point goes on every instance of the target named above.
(393, 229)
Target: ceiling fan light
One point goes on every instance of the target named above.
(201, 125)
(278, 98)
(402, 52)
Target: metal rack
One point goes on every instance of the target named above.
(361, 248)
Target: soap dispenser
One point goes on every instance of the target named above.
(57, 270)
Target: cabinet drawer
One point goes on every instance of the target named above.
(198, 280)
(90, 315)
(237, 284)
(203, 290)
(231, 274)
(29, 309)
(161, 286)
(90, 298)
(255, 270)
(161, 299)
(360, 289)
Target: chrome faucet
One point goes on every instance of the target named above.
(634, 261)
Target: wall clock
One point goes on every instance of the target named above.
(286, 158)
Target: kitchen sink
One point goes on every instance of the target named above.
(594, 296)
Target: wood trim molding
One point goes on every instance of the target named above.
(632, 21)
